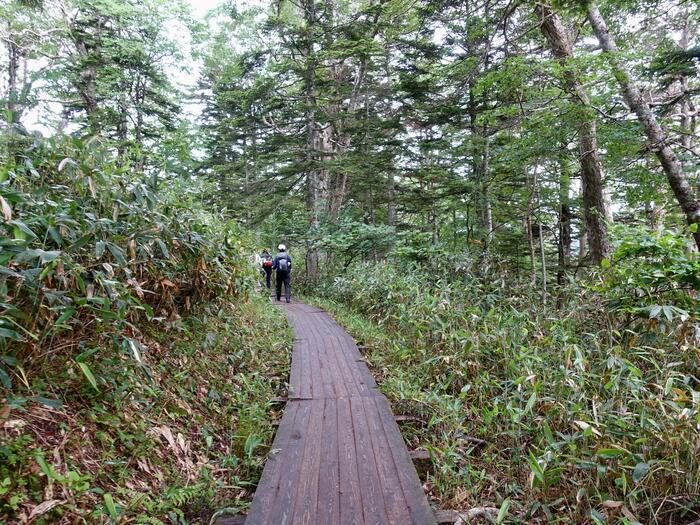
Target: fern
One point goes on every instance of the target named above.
(179, 496)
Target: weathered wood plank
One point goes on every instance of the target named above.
(396, 507)
(350, 495)
(282, 508)
(329, 483)
(269, 482)
(413, 491)
(306, 505)
(370, 487)
(338, 457)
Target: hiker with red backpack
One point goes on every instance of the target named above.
(283, 264)
(266, 262)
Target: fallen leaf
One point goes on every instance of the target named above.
(168, 435)
(583, 426)
(612, 504)
(181, 442)
(43, 508)
(14, 423)
(6, 210)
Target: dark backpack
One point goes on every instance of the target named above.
(283, 264)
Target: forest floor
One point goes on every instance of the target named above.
(150, 444)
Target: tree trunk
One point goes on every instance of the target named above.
(88, 77)
(391, 199)
(658, 142)
(543, 260)
(12, 69)
(312, 176)
(594, 208)
(488, 210)
(564, 226)
(528, 228)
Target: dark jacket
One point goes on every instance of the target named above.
(282, 255)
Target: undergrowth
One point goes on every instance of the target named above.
(171, 446)
(584, 414)
(133, 387)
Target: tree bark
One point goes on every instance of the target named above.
(312, 176)
(594, 208)
(543, 260)
(658, 142)
(564, 226)
(488, 210)
(12, 69)
(391, 199)
(528, 228)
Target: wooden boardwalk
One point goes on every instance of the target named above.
(338, 456)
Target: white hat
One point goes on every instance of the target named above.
(281, 247)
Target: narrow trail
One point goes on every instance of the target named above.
(338, 456)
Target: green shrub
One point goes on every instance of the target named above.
(89, 247)
(653, 275)
(576, 407)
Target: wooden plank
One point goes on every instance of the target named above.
(335, 385)
(295, 375)
(317, 387)
(303, 357)
(269, 481)
(341, 457)
(413, 491)
(329, 485)
(341, 388)
(305, 509)
(372, 500)
(394, 502)
(350, 496)
(346, 341)
(366, 377)
(347, 370)
(326, 373)
(282, 508)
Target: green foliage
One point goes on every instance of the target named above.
(119, 342)
(88, 242)
(654, 275)
(558, 411)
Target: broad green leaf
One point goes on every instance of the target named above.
(611, 452)
(5, 379)
(640, 470)
(109, 504)
(88, 373)
(65, 316)
(10, 334)
(503, 511)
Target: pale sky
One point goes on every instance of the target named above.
(201, 7)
